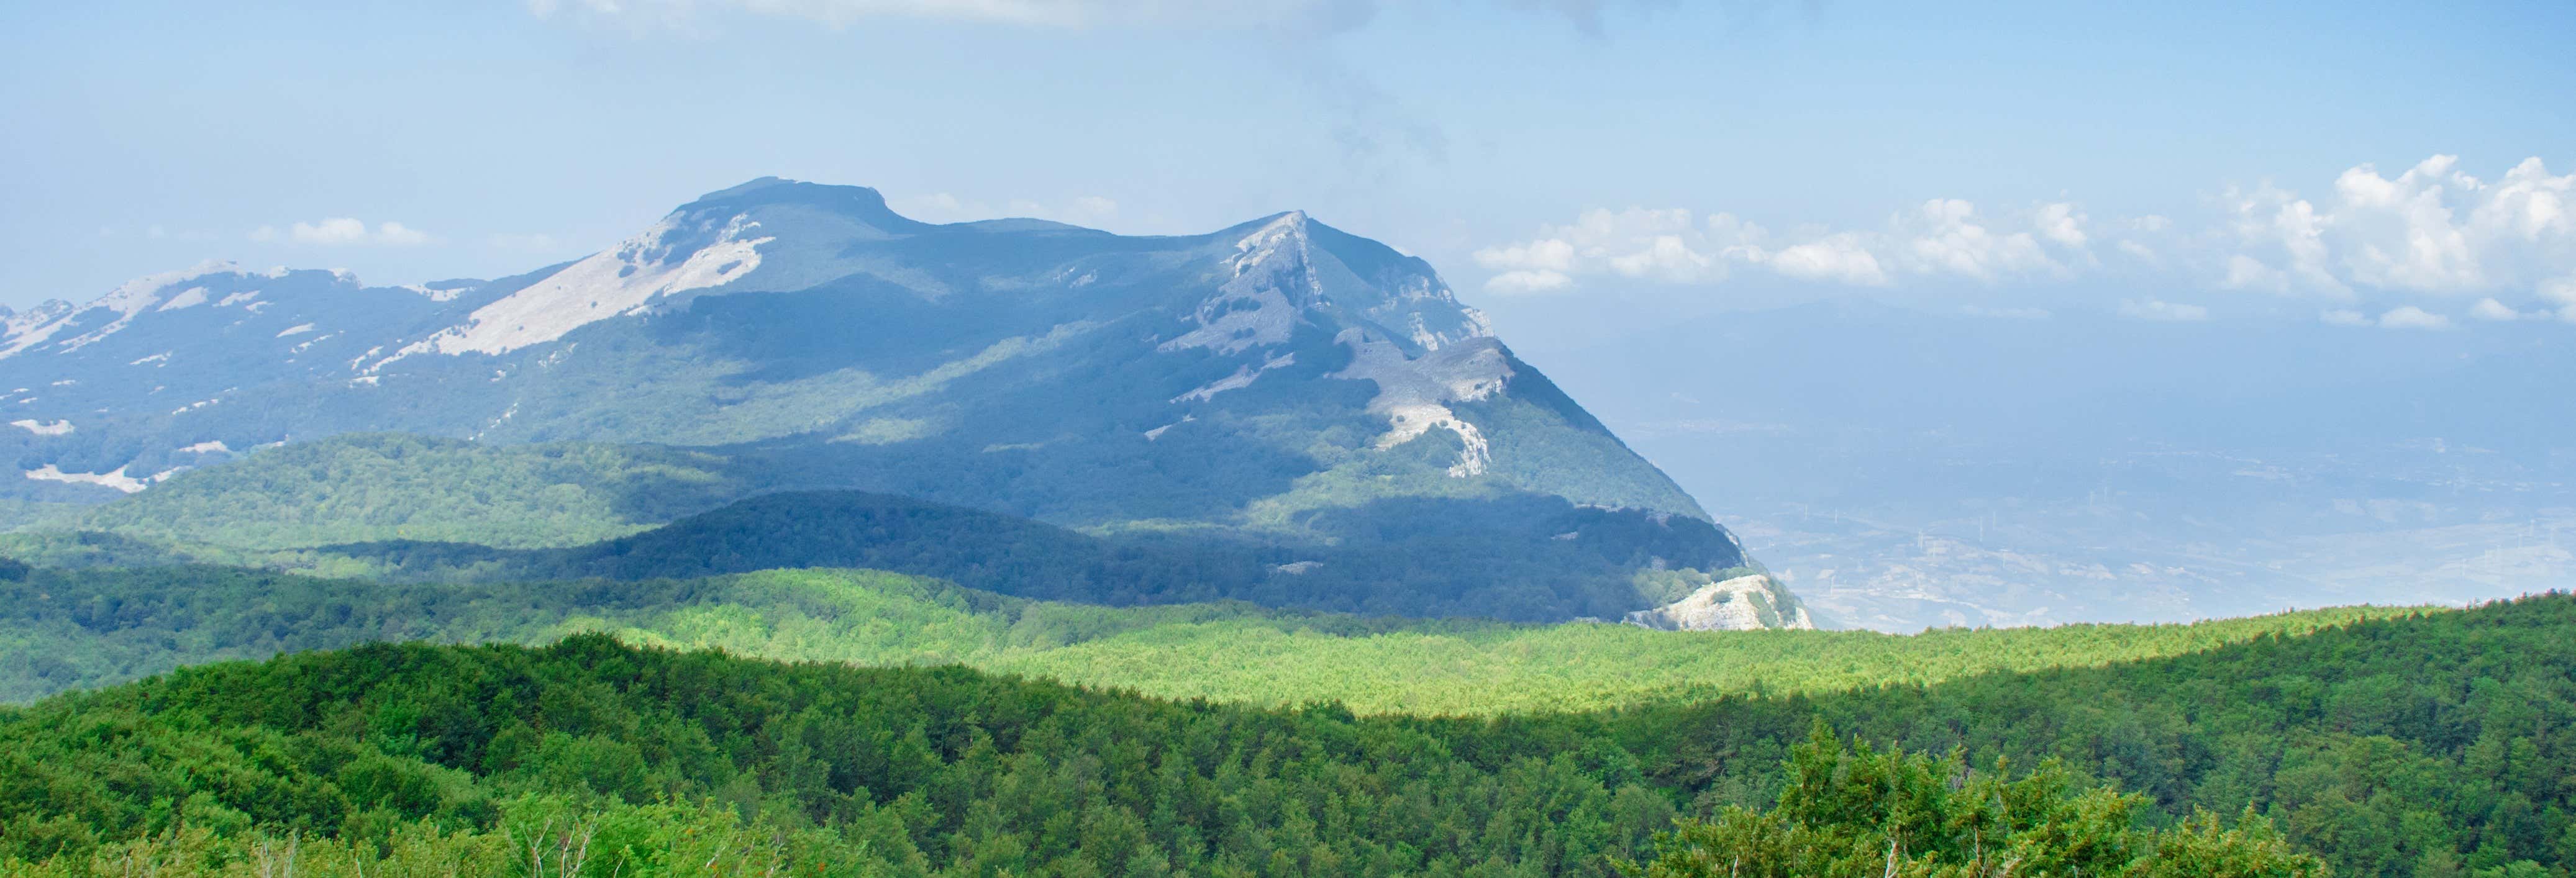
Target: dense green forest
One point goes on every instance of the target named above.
(1406, 556)
(2434, 745)
(84, 628)
(393, 486)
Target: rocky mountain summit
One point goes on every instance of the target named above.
(1278, 380)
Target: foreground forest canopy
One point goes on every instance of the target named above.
(2436, 744)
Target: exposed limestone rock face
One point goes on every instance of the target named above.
(1745, 603)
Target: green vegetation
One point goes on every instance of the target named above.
(391, 486)
(901, 770)
(2433, 744)
(64, 629)
(1849, 812)
(1523, 557)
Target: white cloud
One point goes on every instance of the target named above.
(2431, 229)
(1944, 238)
(1835, 258)
(343, 231)
(2411, 317)
(396, 233)
(2274, 223)
(1551, 254)
(1660, 246)
(2390, 241)
(2561, 290)
(1526, 282)
(2160, 310)
(2061, 223)
(2490, 309)
(336, 230)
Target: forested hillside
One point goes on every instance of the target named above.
(1542, 558)
(91, 627)
(2428, 745)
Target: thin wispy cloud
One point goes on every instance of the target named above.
(2161, 311)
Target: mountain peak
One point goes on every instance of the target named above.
(859, 204)
(746, 187)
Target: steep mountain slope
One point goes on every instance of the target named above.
(1279, 377)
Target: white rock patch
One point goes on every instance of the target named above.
(1242, 378)
(1414, 393)
(133, 297)
(117, 479)
(188, 298)
(44, 428)
(438, 295)
(613, 282)
(297, 329)
(1732, 605)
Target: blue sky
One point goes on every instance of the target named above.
(2161, 162)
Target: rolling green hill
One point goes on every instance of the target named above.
(85, 628)
(2433, 744)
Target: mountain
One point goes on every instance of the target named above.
(1279, 380)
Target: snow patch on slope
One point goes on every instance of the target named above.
(44, 428)
(1414, 393)
(623, 280)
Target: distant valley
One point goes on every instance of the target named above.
(1976, 470)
